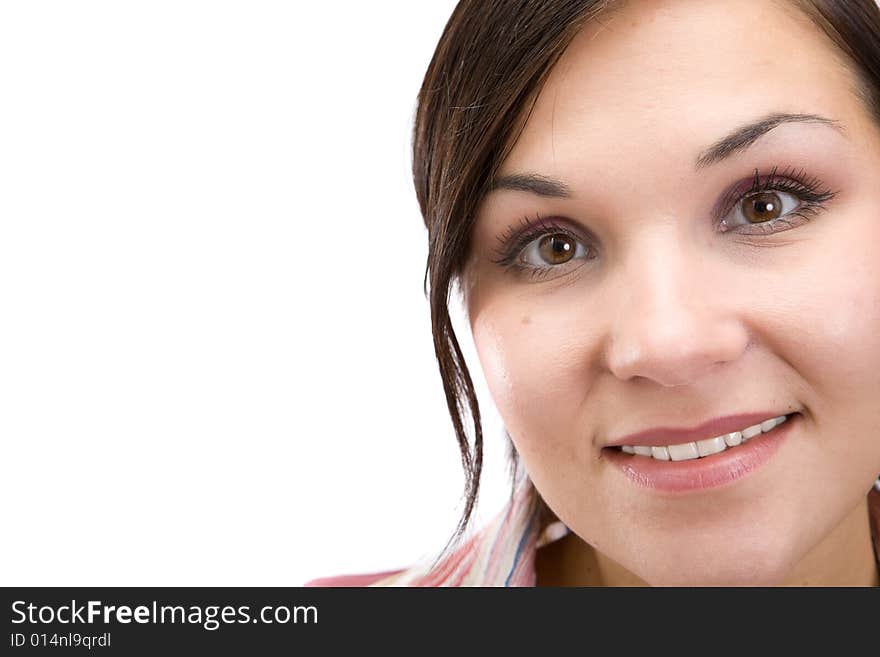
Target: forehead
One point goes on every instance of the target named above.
(662, 78)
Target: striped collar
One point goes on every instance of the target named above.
(502, 553)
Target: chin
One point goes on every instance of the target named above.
(729, 568)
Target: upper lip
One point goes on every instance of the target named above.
(719, 426)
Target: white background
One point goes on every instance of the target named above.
(216, 364)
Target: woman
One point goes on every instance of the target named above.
(662, 217)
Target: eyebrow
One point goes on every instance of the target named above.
(736, 141)
(746, 135)
(533, 183)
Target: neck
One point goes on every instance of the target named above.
(845, 557)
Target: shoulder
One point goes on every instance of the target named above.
(501, 553)
(362, 579)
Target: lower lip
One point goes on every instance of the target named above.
(713, 471)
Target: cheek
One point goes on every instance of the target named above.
(838, 338)
(536, 366)
(837, 318)
(816, 326)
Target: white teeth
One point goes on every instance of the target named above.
(683, 452)
(660, 453)
(766, 425)
(733, 439)
(687, 451)
(711, 446)
(751, 432)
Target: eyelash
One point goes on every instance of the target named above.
(515, 239)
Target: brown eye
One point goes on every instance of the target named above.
(556, 249)
(765, 206)
(762, 210)
(553, 251)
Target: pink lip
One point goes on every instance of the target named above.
(659, 436)
(706, 472)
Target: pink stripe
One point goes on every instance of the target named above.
(438, 575)
(352, 580)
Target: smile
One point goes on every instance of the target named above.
(707, 447)
(704, 464)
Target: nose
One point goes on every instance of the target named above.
(672, 323)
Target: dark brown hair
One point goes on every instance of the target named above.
(487, 70)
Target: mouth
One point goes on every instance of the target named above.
(702, 464)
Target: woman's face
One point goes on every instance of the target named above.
(645, 310)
